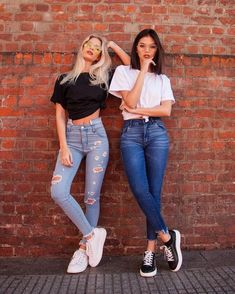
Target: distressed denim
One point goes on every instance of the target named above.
(144, 148)
(88, 141)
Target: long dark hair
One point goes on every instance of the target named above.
(159, 56)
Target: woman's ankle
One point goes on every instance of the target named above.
(82, 247)
(165, 237)
(151, 245)
(89, 236)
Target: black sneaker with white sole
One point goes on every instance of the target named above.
(148, 267)
(173, 252)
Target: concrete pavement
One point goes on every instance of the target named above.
(202, 272)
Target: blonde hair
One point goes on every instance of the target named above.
(99, 71)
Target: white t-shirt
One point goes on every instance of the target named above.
(156, 88)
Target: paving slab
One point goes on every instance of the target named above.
(202, 272)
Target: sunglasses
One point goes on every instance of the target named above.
(89, 45)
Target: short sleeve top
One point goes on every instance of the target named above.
(79, 98)
(156, 88)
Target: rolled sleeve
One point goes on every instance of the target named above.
(120, 82)
(167, 93)
(58, 95)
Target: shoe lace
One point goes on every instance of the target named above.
(148, 258)
(78, 255)
(168, 254)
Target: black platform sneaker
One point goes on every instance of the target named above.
(148, 267)
(172, 251)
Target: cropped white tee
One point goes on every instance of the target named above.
(156, 88)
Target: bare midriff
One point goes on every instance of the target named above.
(87, 119)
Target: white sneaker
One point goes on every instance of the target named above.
(95, 245)
(78, 263)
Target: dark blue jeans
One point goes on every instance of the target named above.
(144, 148)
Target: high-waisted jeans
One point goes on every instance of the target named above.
(144, 148)
(88, 141)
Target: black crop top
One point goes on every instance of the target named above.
(81, 98)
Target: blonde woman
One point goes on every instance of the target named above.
(81, 94)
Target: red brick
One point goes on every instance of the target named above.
(8, 144)
(86, 8)
(8, 209)
(11, 155)
(6, 251)
(41, 145)
(85, 27)
(27, 81)
(27, 37)
(12, 47)
(71, 27)
(100, 27)
(23, 165)
(56, 7)
(146, 9)
(226, 134)
(42, 7)
(88, 17)
(130, 8)
(41, 47)
(24, 144)
(218, 31)
(25, 101)
(116, 28)
(27, 47)
(26, 27)
(27, 7)
(6, 37)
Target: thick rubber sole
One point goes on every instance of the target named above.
(180, 258)
(148, 275)
(102, 236)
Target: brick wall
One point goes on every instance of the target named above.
(38, 41)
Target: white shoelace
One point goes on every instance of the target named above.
(167, 253)
(148, 258)
(78, 255)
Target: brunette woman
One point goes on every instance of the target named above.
(146, 97)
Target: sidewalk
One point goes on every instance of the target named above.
(202, 272)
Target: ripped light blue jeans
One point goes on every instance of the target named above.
(88, 141)
(144, 148)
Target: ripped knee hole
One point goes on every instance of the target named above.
(90, 201)
(56, 179)
(97, 169)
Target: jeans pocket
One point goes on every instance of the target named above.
(68, 129)
(100, 131)
(161, 125)
(124, 130)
